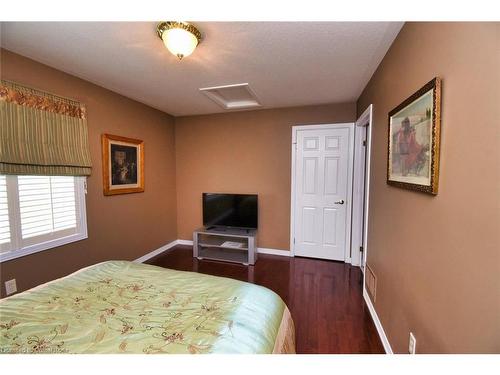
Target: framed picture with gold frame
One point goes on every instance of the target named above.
(122, 165)
(414, 138)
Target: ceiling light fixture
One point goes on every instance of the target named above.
(180, 38)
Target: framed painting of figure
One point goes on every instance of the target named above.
(414, 138)
(122, 165)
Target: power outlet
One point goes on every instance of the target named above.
(412, 344)
(10, 286)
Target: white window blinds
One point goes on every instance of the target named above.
(4, 213)
(40, 212)
(47, 204)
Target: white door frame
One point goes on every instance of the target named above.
(361, 195)
(349, 197)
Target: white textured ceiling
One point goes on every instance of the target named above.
(285, 63)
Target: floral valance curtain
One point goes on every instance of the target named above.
(41, 133)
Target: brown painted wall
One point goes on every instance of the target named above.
(438, 258)
(244, 152)
(119, 227)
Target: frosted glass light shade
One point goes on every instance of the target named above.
(179, 41)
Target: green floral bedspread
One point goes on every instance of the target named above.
(125, 307)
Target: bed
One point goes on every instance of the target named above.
(125, 307)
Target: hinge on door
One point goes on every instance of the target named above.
(364, 143)
(361, 249)
(294, 240)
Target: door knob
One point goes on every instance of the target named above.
(340, 202)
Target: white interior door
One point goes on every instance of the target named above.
(323, 191)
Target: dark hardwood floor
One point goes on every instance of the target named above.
(324, 297)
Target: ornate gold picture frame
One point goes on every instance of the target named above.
(122, 165)
(414, 137)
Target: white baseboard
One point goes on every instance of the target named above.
(260, 250)
(156, 252)
(283, 253)
(378, 324)
(185, 242)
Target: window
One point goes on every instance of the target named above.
(40, 212)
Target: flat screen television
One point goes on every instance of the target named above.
(230, 210)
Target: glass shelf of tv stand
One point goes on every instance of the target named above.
(225, 244)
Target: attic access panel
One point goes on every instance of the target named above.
(238, 96)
